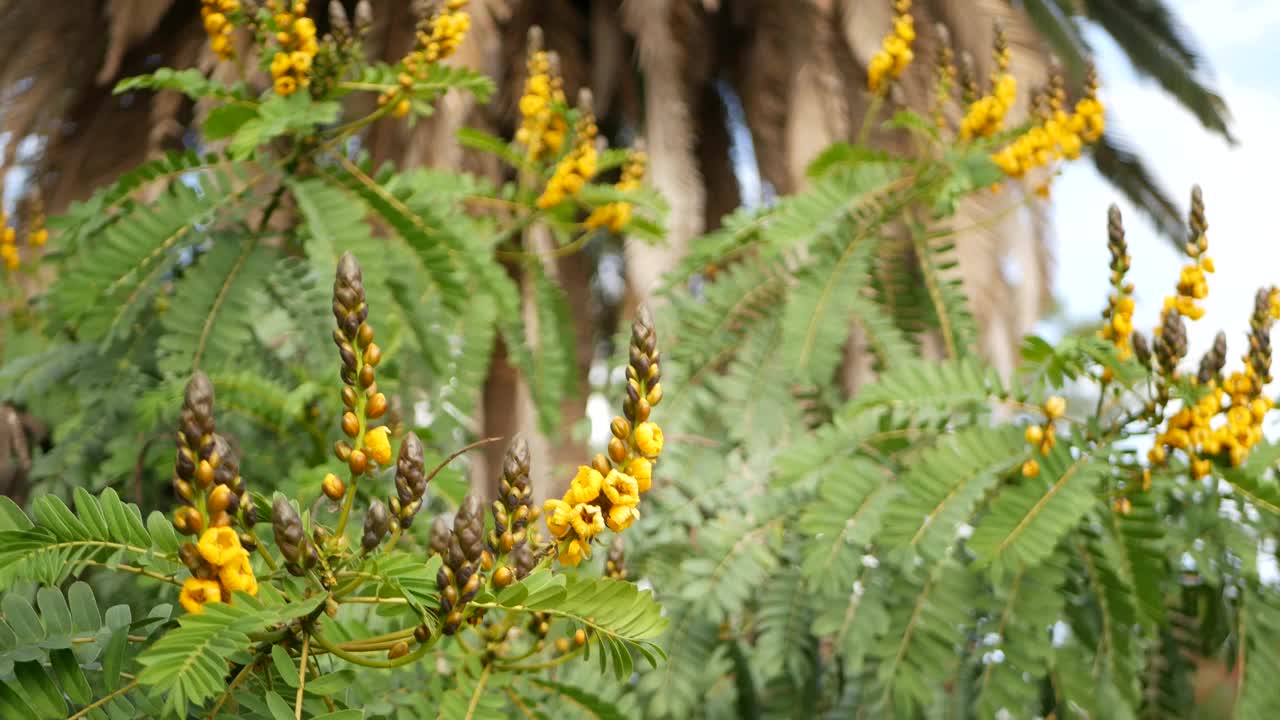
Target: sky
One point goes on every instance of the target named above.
(1238, 182)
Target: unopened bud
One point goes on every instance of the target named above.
(400, 649)
(333, 487)
(620, 427)
(358, 462)
(350, 424)
(617, 451)
(376, 407)
(372, 355)
(219, 498)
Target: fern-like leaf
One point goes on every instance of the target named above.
(853, 496)
(1029, 516)
(942, 487)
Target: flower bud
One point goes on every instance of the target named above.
(367, 376)
(642, 410)
(376, 407)
(358, 462)
(580, 637)
(372, 355)
(350, 424)
(617, 451)
(422, 633)
(600, 464)
(349, 397)
(204, 473)
(184, 489)
(620, 427)
(376, 521)
(333, 487)
(400, 649)
(503, 577)
(655, 393)
(219, 499)
(365, 334)
(1055, 407)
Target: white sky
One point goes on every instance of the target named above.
(1238, 183)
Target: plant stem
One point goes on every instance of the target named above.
(103, 701)
(366, 662)
(302, 676)
(235, 682)
(544, 665)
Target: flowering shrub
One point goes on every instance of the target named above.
(1084, 539)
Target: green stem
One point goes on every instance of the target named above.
(302, 676)
(872, 111)
(366, 662)
(103, 701)
(543, 665)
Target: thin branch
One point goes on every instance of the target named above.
(103, 701)
(302, 676)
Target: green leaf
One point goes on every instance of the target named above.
(493, 145)
(853, 496)
(187, 666)
(191, 82)
(1029, 516)
(591, 705)
(280, 709)
(278, 115)
(943, 486)
(226, 120)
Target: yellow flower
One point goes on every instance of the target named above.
(213, 22)
(621, 489)
(286, 85)
(642, 470)
(280, 64)
(1030, 468)
(9, 254)
(1034, 434)
(238, 576)
(220, 546)
(649, 439)
(621, 517)
(401, 109)
(585, 487)
(587, 521)
(1055, 407)
(557, 513)
(301, 61)
(38, 238)
(196, 592)
(379, 447)
(305, 28)
(573, 552)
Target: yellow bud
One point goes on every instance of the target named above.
(1034, 434)
(1030, 468)
(333, 487)
(1055, 407)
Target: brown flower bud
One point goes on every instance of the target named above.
(376, 407)
(358, 462)
(367, 376)
(600, 464)
(190, 556)
(365, 335)
(503, 577)
(349, 397)
(440, 534)
(350, 424)
(372, 355)
(562, 645)
(617, 451)
(342, 450)
(248, 541)
(184, 489)
(376, 521)
(400, 649)
(468, 527)
(620, 427)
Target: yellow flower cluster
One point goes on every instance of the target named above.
(894, 55)
(1059, 136)
(441, 36)
(231, 571)
(8, 246)
(576, 168)
(218, 26)
(985, 115)
(296, 34)
(542, 129)
(616, 215)
(607, 493)
(1191, 431)
(1239, 402)
(1192, 283)
(1118, 329)
(1043, 437)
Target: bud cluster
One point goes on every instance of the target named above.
(607, 493)
(299, 551)
(459, 579)
(512, 512)
(361, 400)
(208, 482)
(1044, 437)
